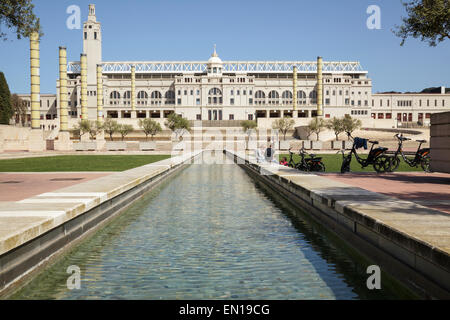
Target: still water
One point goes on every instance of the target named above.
(210, 232)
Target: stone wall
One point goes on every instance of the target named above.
(440, 142)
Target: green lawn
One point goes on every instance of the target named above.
(333, 163)
(78, 163)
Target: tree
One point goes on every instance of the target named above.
(150, 127)
(19, 108)
(427, 20)
(110, 126)
(84, 126)
(19, 14)
(248, 126)
(284, 125)
(95, 128)
(6, 110)
(125, 129)
(316, 126)
(177, 124)
(350, 124)
(336, 125)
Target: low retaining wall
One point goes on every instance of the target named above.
(440, 142)
(406, 240)
(42, 227)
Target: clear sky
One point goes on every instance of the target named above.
(141, 30)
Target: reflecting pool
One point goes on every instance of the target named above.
(210, 232)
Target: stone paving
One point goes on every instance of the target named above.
(428, 189)
(19, 186)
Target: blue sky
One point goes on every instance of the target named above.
(243, 30)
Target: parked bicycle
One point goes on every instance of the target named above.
(311, 164)
(377, 156)
(422, 155)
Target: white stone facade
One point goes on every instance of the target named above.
(236, 90)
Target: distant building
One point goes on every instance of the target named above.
(217, 90)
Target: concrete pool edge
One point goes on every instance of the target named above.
(76, 211)
(349, 212)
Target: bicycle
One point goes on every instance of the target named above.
(422, 155)
(377, 157)
(312, 164)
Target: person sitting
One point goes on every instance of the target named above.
(284, 162)
(259, 155)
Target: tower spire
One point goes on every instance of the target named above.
(214, 53)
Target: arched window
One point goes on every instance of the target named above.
(142, 98)
(313, 97)
(114, 98)
(260, 97)
(127, 98)
(215, 96)
(287, 97)
(274, 97)
(301, 97)
(156, 98)
(170, 97)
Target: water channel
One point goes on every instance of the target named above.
(210, 232)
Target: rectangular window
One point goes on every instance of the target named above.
(327, 101)
(199, 117)
(85, 36)
(95, 35)
(388, 115)
(231, 116)
(179, 101)
(232, 101)
(197, 101)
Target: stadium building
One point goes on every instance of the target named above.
(223, 93)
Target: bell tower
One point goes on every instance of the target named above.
(92, 45)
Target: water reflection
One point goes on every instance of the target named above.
(208, 233)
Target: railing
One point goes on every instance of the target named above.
(216, 123)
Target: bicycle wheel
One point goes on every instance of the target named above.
(345, 166)
(382, 164)
(395, 163)
(320, 167)
(425, 163)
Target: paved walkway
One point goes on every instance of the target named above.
(430, 190)
(19, 186)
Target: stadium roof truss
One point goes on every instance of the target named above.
(228, 67)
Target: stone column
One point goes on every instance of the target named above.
(36, 141)
(63, 143)
(133, 91)
(100, 137)
(319, 87)
(84, 106)
(84, 99)
(294, 85)
(99, 93)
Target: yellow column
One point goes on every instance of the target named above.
(84, 109)
(294, 83)
(99, 93)
(319, 87)
(133, 88)
(63, 89)
(35, 81)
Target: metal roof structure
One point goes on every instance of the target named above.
(185, 67)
